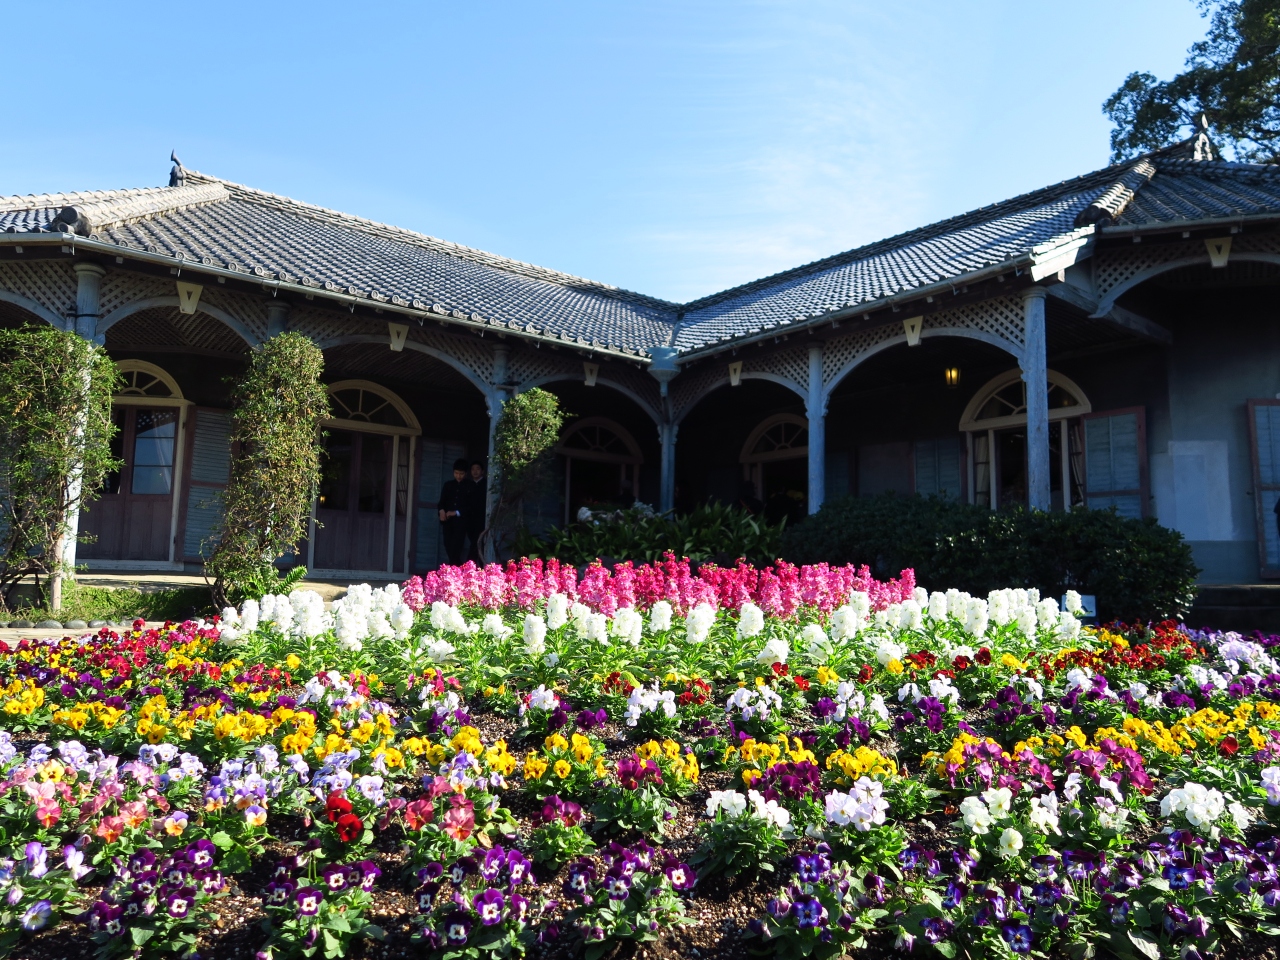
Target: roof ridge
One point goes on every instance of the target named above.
(403, 235)
(44, 201)
(1112, 201)
(88, 218)
(897, 241)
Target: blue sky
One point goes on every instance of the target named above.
(675, 148)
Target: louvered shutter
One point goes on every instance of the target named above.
(1264, 436)
(1115, 462)
(208, 477)
(435, 467)
(937, 467)
(836, 474)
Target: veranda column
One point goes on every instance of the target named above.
(1035, 374)
(815, 410)
(88, 312)
(667, 485)
(494, 400)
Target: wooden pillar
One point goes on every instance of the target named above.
(667, 485)
(816, 410)
(1035, 374)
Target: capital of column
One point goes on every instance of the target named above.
(277, 318)
(1034, 293)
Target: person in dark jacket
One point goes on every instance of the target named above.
(453, 513)
(477, 506)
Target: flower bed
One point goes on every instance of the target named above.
(789, 761)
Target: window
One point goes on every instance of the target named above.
(1115, 461)
(937, 468)
(154, 434)
(1264, 439)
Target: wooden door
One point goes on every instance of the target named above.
(355, 496)
(131, 517)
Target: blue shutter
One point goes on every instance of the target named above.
(1113, 464)
(435, 467)
(210, 473)
(1266, 435)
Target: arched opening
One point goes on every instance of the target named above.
(362, 517)
(133, 519)
(403, 388)
(775, 461)
(994, 425)
(601, 465)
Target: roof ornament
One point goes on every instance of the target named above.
(177, 175)
(1201, 145)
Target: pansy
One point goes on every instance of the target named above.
(308, 899)
(36, 917)
(489, 906)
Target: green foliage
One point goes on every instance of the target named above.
(1232, 76)
(715, 532)
(279, 404)
(55, 444)
(527, 430)
(1138, 569)
(86, 603)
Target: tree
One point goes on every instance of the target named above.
(279, 403)
(1232, 80)
(55, 446)
(527, 429)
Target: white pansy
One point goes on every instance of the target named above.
(645, 699)
(942, 689)
(543, 699)
(732, 803)
(976, 815)
(1240, 814)
(770, 811)
(998, 801)
(749, 703)
(1270, 781)
(862, 807)
(1044, 814)
(1010, 843)
(1201, 805)
(750, 620)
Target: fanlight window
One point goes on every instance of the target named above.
(781, 437)
(365, 406)
(1002, 402)
(144, 380)
(596, 438)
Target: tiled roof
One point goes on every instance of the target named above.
(226, 225)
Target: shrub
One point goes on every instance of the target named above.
(280, 402)
(1138, 569)
(709, 532)
(55, 445)
(526, 432)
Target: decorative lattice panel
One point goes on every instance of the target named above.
(637, 381)
(527, 367)
(1001, 318)
(122, 287)
(790, 363)
(50, 284)
(1111, 268)
(251, 311)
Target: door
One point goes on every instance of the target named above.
(131, 517)
(355, 496)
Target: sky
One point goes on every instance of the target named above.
(673, 148)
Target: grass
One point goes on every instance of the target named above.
(86, 603)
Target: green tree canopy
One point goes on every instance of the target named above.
(1232, 79)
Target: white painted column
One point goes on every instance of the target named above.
(88, 312)
(1035, 375)
(667, 484)
(816, 411)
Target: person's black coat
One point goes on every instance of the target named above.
(453, 496)
(475, 496)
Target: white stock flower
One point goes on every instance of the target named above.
(535, 635)
(750, 620)
(495, 626)
(850, 620)
(660, 617)
(446, 618)
(698, 622)
(816, 643)
(628, 626)
(557, 611)
(1074, 604)
(937, 606)
(775, 651)
(976, 617)
(440, 650)
(887, 650)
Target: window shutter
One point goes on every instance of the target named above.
(435, 467)
(937, 467)
(210, 472)
(1115, 461)
(1264, 436)
(836, 474)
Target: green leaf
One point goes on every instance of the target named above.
(140, 935)
(1148, 948)
(222, 840)
(946, 948)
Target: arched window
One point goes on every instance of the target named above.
(142, 379)
(359, 404)
(601, 464)
(783, 436)
(995, 427)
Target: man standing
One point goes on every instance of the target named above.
(453, 513)
(477, 505)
